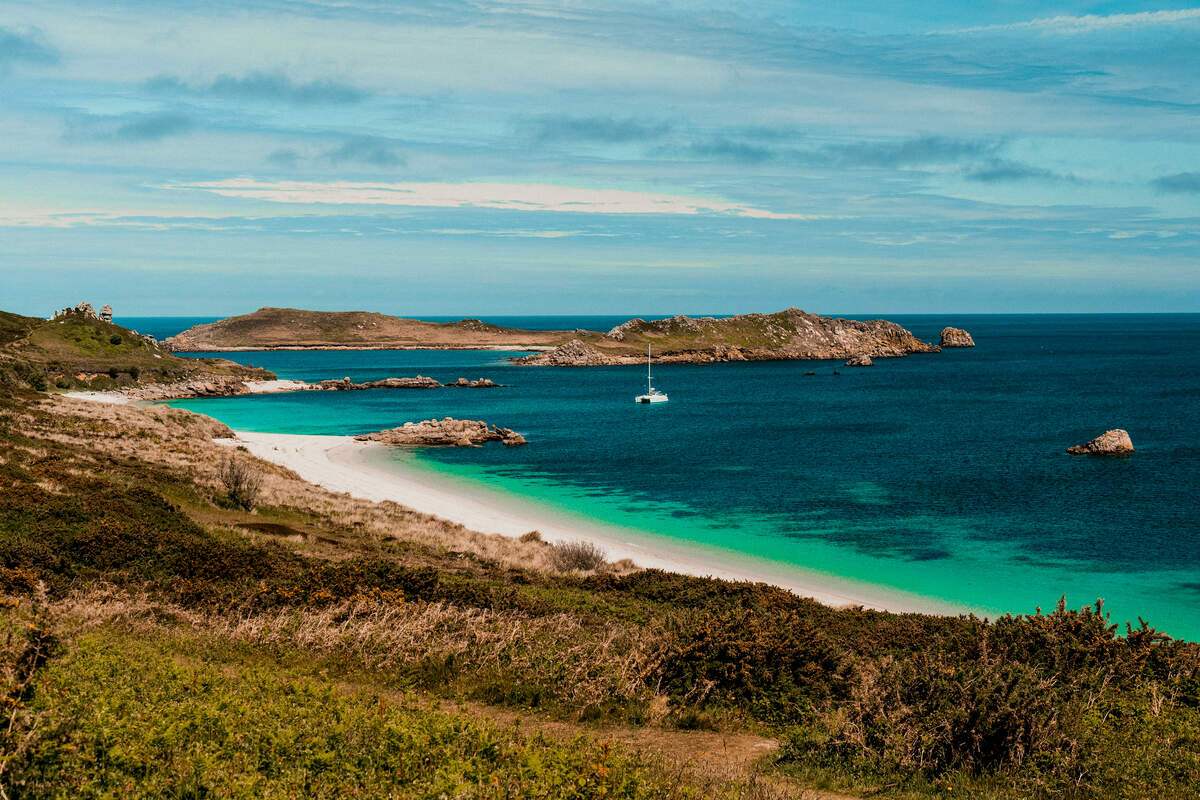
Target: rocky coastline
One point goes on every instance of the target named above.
(446, 432)
(230, 386)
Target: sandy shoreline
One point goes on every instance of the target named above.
(341, 464)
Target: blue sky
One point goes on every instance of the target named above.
(606, 157)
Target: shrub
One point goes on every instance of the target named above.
(63, 383)
(532, 536)
(113, 372)
(579, 555)
(242, 481)
(114, 339)
(134, 373)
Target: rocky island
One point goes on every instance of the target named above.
(1110, 443)
(786, 335)
(296, 329)
(445, 432)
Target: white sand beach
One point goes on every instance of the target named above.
(341, 464)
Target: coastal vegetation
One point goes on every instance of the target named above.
(165, 641)
(78, 351)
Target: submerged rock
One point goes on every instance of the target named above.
(1110, 443)
(956, 337)
(860, 361)
(445, 432)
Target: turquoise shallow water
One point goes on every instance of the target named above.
(942, 475)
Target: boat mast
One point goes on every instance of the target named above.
(649, 388)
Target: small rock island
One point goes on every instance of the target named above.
(1110, 443)
(956, 337)
(445, 432)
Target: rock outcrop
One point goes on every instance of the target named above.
(445, 432)
(106, 313)
(201, 386)
(347, 385)
(1110, 443)
(956, 337)
(860, 361)
(572, 354)
(482, 383)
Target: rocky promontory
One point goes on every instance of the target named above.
(445, 432)
(956, 337)
(791, 334)
(860, 361)
(1110, 443)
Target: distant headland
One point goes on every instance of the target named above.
(786, 335)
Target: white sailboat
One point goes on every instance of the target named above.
(652, 395)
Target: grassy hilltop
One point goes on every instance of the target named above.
(170, 637)
(79, 351)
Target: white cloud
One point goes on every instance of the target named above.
(510, 196)
(1091, 22)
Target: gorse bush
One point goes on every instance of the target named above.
(242, 482)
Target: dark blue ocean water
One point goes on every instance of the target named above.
(942, 474)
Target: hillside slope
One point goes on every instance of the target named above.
(79, 351)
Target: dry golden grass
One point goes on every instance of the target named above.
(182, 441)
(395, 638)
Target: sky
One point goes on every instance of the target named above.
(526, 157)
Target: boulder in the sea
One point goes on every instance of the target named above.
(481, 383)
(1110, 443)
(956, 337)
(445, 432)
(346, 385)
(860, 360)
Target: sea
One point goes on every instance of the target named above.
(940, 475)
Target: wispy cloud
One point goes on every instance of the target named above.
(562, 127)
(1181, 182)
(29, 46)
(909, 152)
(1091, 22)
(271, 86)
(375, 151)
(1001, 171)
(509, 196)
(137, 127)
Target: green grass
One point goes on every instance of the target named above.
(54, 353)
(130, 718)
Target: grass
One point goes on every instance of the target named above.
(181, 727)
(146, 563)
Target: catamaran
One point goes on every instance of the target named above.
(652, 395)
